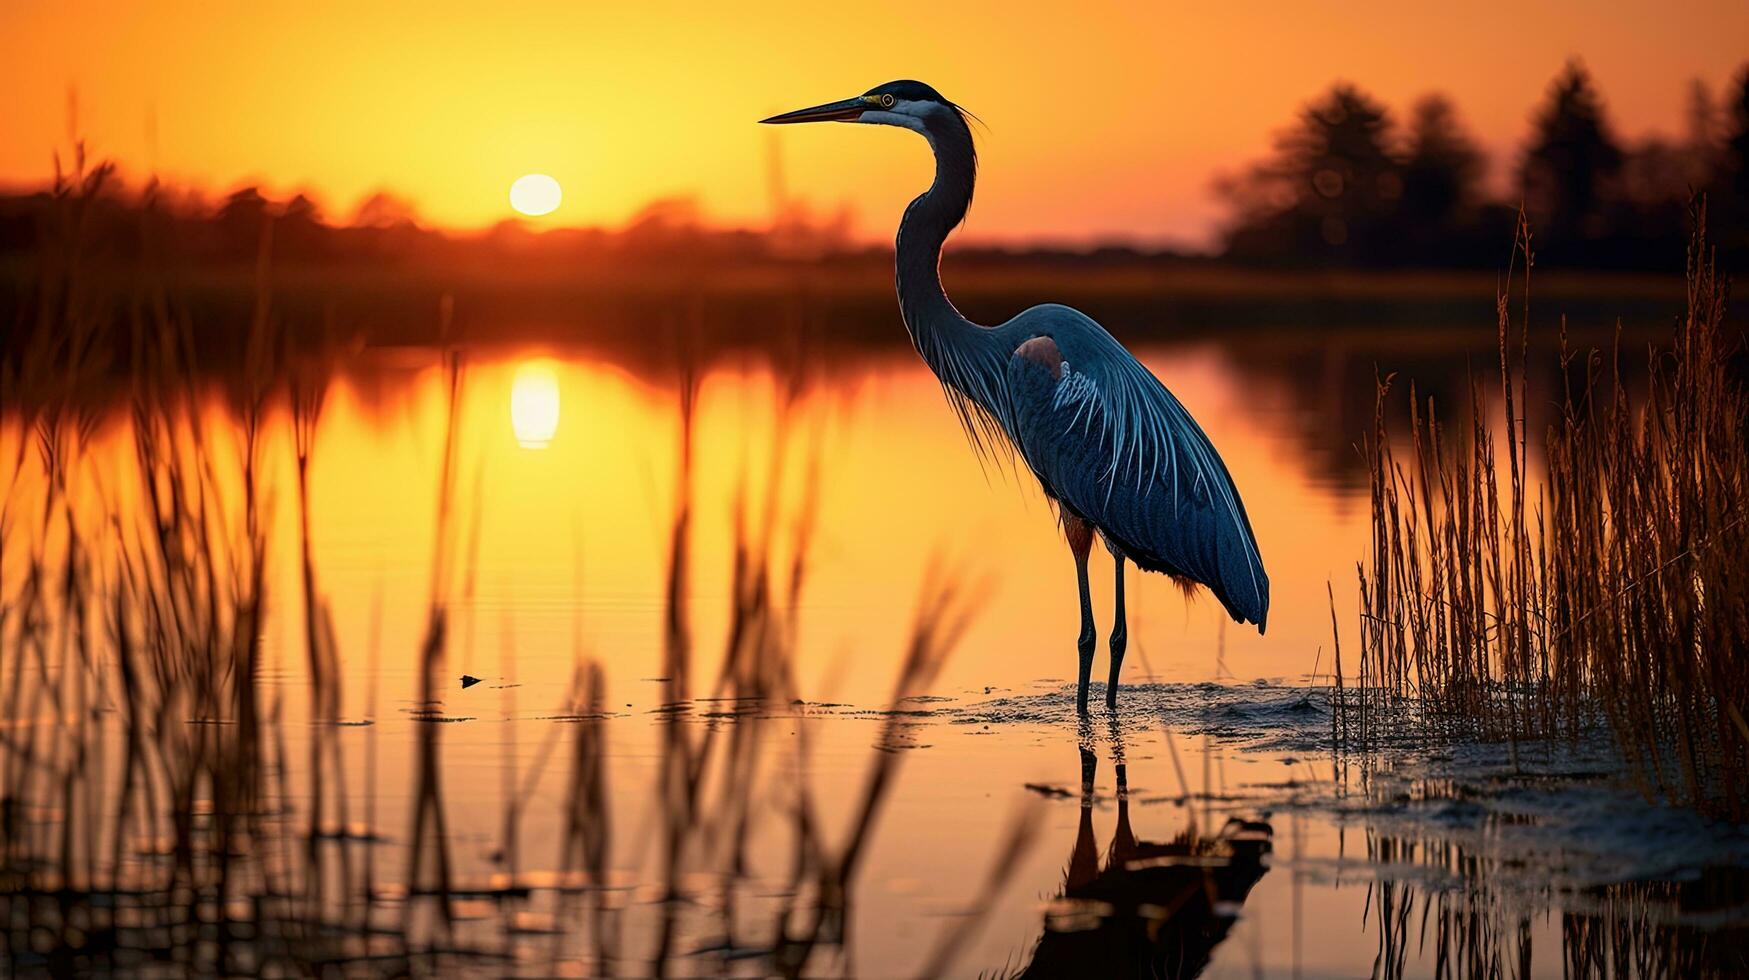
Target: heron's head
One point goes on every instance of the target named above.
(912, 105)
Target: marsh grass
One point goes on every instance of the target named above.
(1609, 589)
(154, 808)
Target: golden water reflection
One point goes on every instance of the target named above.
(578, 530)
(534, 404)
(564, 551)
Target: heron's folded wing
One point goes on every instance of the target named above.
(1107, 439)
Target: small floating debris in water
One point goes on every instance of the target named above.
(1053, 792)
(469, 680)
(726, 949)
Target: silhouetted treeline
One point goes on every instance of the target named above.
(1350, 185)
(159, 223)
(151, 226)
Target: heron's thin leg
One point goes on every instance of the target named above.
(1120, 637)
(1080, 535)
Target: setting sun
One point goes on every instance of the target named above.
(535, 195)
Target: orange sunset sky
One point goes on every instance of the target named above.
(1104, 120)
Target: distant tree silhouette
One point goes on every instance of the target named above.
(1330, 191)
(1647, 218)
(1702, 136)
(1569, 166)
(1341, 188)
(1443, 219)
(240, 222)
(386, 227)
(1442, 167)
(384, 210)
(1734, 152)
(664, 224)
(302, 208)
(1728, 204)
(299, 231)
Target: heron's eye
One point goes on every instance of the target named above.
(887, 100)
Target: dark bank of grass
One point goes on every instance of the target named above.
(154, 810)
(848, 300)
(1611, 587)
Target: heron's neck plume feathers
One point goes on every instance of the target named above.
(964, 355)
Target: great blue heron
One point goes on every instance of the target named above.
(1111, 446)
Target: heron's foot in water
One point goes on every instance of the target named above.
(1119, 642)
(1088, 638)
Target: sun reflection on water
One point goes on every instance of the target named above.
(534, 404)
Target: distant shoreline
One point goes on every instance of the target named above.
(850, 299)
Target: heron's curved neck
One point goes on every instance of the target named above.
(965, 356)
(927, 222)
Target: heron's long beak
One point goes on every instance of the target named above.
(846, 111)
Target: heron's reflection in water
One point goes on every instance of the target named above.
(1153, 909)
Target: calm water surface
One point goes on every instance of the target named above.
(1005, 827)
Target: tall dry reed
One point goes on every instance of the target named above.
(1611, 587)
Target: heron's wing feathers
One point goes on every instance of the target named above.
(1109, 441)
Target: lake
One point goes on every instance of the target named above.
(840, 739)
